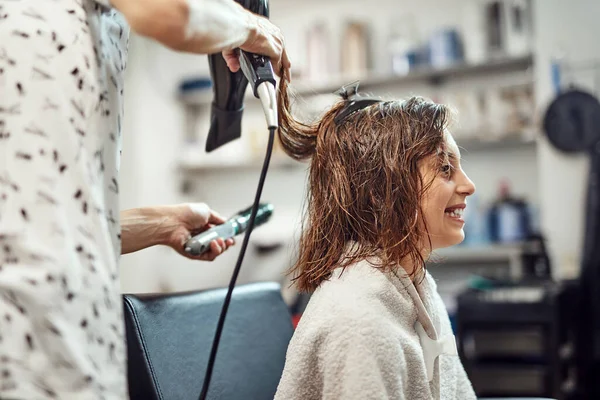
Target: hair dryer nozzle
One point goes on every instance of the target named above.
(229, 88)
(225, 127)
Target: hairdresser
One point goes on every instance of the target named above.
(62, 68)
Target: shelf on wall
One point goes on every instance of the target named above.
(473, 254)
(423, 75)
(201, 164)
(468, 145)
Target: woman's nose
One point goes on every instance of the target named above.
(466, 186)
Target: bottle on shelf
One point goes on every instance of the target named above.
(476, 231)
(355, 50)
(508, 217)
(402, 46)
(317, 53)
(445, 48)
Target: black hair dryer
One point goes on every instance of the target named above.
(229, 88)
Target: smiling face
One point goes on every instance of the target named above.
(446, 198)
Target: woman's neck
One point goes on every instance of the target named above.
(415, 268)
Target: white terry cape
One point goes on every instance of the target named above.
(359, 339)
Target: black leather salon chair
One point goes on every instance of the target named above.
(170, 336)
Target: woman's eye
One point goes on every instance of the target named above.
(446, 169)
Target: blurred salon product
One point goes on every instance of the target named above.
(403, 47)
(355, 50)
(193, 91)
(518, 28)
(474, 30)
(476, 230)
(494, 20)
(195, 85)
(253, 126)
(468, 107)
(445, 48)
(495, 110)
(508, 217)
(509, 25)
(520, 108)
(318, 53)
(534, 259)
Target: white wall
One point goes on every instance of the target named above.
(154, 131)
(152, 124)
(570, 29)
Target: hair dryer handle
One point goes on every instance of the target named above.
(257, 69)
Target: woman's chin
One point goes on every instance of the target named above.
(449, 240)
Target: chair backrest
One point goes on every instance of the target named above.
(170, 336)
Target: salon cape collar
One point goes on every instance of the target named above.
(433, 345)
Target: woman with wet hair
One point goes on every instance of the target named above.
(386, 188)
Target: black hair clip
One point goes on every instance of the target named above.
(354, 101)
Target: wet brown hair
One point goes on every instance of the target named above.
(364, 183)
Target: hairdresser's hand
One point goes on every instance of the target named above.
(187, 220)
(172, 226)
(266, 39)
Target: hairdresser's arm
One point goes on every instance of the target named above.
(205, 26)
(171, 226)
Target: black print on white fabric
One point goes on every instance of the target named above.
(35, 130)
(32, 13)
(60, 123)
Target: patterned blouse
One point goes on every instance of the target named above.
(61, 98)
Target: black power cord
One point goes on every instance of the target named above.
(238, 265)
